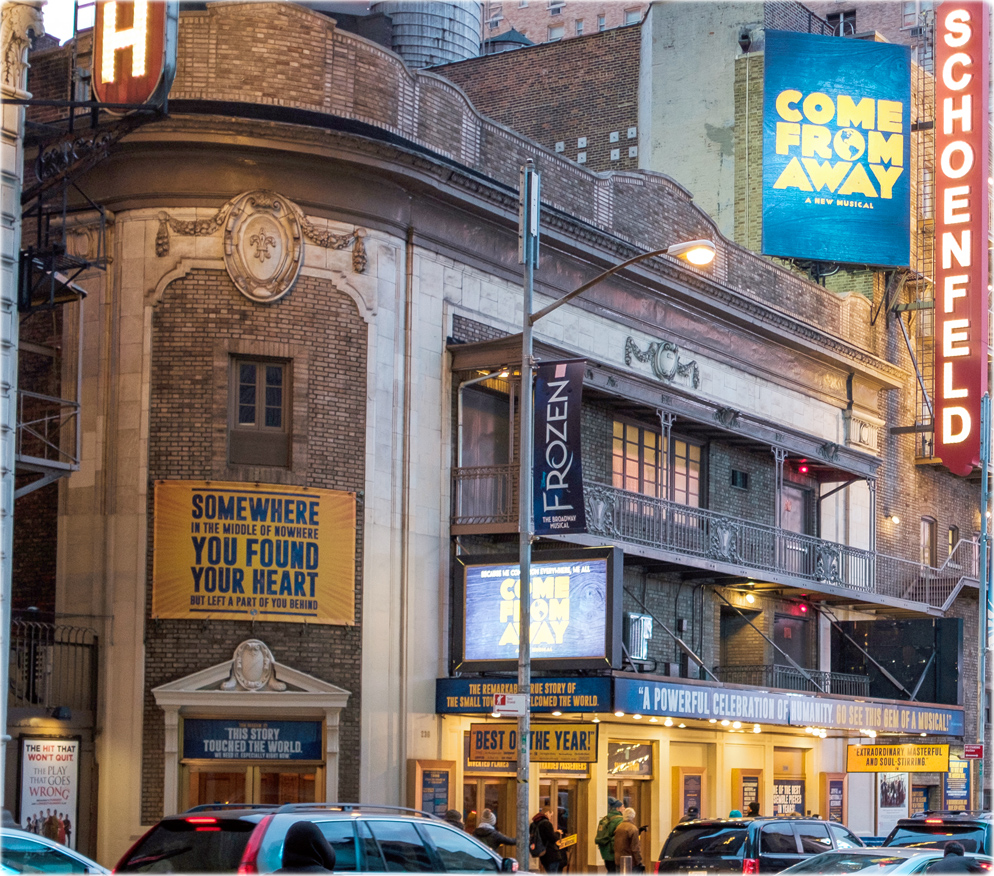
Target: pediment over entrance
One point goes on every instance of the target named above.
(251, 679)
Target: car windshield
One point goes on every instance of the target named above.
(848, 863)
(935, 836)
(705, 841)
(179, 846)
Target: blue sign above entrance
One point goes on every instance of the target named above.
(232, 739)
(472, 696)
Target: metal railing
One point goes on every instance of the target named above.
(487, 496)
(788, 678)
(52, 665)
(47, 430)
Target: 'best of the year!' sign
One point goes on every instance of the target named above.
(233, 551)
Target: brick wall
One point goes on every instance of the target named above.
(198, 315)
(561, 92)
(535, 18)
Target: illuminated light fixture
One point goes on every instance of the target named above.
(654, 720)
(894, 519)
(756, 728)
(619, 714)
(802, 466)
(637, 717)
(750, 598)
(504, 373)
(804, 608)
(923, 734)
(697, 252)
(681, 726)
(596, 720)
(736, 724)
(809, 730)
(668, 722)
(557, 713)
(495, 714)
(725, 722)
(712, 720)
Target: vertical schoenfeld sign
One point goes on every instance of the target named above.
(558, 473)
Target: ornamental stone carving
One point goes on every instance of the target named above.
(263, 241)
(252, 668)
(664, 359)
(18, 22)
(263, 246)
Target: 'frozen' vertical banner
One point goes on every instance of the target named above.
(557, 470)
(50, 787)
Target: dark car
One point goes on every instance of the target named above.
(933, 829)
(365, 839)
(749, 845)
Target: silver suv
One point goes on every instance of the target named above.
(365, 839)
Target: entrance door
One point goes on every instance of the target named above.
(273, 785)
(493, 794)
(635, 794)
(562, 797)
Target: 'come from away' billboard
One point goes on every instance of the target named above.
(836, 149)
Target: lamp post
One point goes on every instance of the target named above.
(697, 252)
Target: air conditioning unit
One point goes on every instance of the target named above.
(638, 632)
(918, 31)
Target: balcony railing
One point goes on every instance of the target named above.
(789, 678)
(486, 496)
(52, 665)
(47, 431)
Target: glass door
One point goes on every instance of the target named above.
(488, 793)
(562, 797)
(635, 794)
(234, 783)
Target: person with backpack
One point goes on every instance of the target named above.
(604, 839)
(543, 841)
(487, 833)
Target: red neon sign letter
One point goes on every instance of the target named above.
(961, 137)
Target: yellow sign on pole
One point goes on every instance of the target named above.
(234, 551)
(550, 743)
(910, 758)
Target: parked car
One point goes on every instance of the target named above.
(365, 839)
(895, 861)
(25, 852)
(933, 829)
(749, 845)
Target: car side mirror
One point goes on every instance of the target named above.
(508, 865)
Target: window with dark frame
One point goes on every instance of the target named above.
(928, 541)
(643, 461)
(258, 422)
(842, 23)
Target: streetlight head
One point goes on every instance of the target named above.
(697, 252)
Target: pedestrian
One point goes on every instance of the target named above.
(604, 839)
(626, 841)
(487, 833)
(454, 817)
(305, 850)
(753, 810)
(735, 814)
(691, 814)
(954, 861)
(543, 841)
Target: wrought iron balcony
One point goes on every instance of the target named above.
(486, 501)
(51, 666)
(788, 678)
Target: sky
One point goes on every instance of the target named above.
(58, 18)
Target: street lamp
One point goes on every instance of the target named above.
(697, 252)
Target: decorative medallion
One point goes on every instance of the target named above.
(664, 359)
(252, 668)
(263, 249)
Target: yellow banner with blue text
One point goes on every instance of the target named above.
(910, 758)
(244, 551)
(550, 743)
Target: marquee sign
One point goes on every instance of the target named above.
(575, 609)
(134, 50)
(836, 149)
(550, 743)
(962, 65)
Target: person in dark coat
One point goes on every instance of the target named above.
(487, 833)
(305, 850)
(753, 811)
(954, 861)
(552, 857)
(454, 817)
(691, 814)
